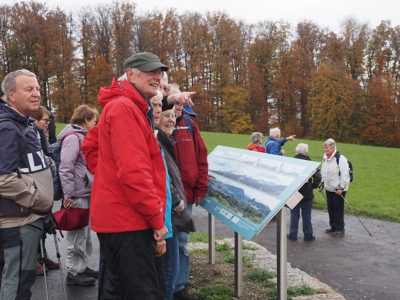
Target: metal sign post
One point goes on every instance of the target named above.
(211, 239)
(281, 255)
(238, 266)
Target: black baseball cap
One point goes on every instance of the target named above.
(144, 61)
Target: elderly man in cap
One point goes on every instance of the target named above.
(129, 192)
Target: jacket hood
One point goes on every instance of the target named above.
(7, 112)
(90, 148)
(70, 128)
(122, 88)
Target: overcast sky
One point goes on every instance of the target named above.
(326, 13)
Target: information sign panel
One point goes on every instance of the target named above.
(248, 188)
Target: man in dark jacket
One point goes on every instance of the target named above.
(26, 191)
(305, 205)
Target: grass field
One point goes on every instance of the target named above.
(375, 191)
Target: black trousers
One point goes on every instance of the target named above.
(1, 261)
(335, 210)
(131, 261)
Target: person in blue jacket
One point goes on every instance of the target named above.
(274, 143)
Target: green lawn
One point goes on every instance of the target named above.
(375, 191)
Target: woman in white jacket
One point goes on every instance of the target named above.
(335, 180)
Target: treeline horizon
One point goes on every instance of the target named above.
(308, 80)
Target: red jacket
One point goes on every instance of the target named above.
(129, 189)
(191, 154)
(254, 147)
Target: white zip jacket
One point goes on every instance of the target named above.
(330, 173)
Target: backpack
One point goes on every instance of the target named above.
(55, 155)
(337, 155)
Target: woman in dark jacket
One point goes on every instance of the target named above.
(305, 205)
(181, 220)
(41, 126)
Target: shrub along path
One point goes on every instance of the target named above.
(358, 266)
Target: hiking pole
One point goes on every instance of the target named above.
(352, 211)
(345, 201)
(59, 262)
(51, 229)
(44, 268)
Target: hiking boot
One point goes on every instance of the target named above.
(51, 265)
(329, 230)
(40, 270)
(91, 273)
(292, 238)
(183, 294)
(338, 233)
(80, 279)
(309, 238)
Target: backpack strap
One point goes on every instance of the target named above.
(267, 144)
(188, 123)
(337, 156)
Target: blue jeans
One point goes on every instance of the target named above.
(305, 205)
(183, 240)
(171, 265)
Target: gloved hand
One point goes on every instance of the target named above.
(339, 191)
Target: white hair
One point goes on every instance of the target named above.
(164, 76)
(124, 77)
(275, 132)
(174, 88)
(302, 149)
(9, 83)
(159, 95)
(330, 142)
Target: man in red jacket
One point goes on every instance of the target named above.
(128, 195)
(191, 153)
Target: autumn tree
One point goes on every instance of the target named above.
(333, 103)
(233, 112)
(305, 49)
(123, 24)
(270, 40)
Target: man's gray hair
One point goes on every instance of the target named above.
(330, 142)
(174, 88)
(275, 132)
(123, 77)
(302, 149)
(159, 95)
(164, 76)
(255, 136)
(9, 83)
